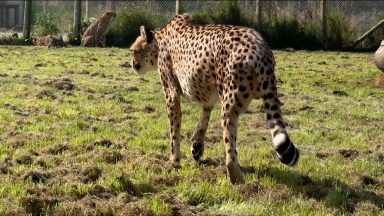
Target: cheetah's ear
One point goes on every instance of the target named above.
(147, 34)
(142, 31)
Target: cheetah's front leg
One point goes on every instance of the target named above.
(199, 134)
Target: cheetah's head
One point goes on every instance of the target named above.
(144, 52)
(110, 14)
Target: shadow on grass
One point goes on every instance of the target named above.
(333, 192)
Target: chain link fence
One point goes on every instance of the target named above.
(361, 14)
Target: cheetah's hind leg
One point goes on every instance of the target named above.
(88, 41)
(199, 134)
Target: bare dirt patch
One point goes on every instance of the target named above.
(149, 109)
(24, 159)
(380, 157)
(305, 107)
(348, 153)
(111, 156)
(132, 89)
(45, 94)
(250, 189)
(322, 155)
(97, 74)
(164, 180)
(378, 81)
(103, 142)
(212, 161)
(125, 64)
(64, 84)
(91, 173)
(56, 149)
(368, 180)
(340, 93)
(36, 176)
(4, 169)
(117, 97)
(36, 205)
(100, 192)
(180, 207)
(40, 64)
(279, 193)
(365, 207)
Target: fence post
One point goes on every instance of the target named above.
(177, 7)
(77, 19)
(110, 5)
(86, 9)
(27, 18)
(323, 19)
(45, 6)
(258, 14)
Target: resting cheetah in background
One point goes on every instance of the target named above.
(96, 32)
(208, 64)
(49, 41)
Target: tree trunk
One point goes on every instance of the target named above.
(177, 9)
(27, 18)
(323, 20)
(77, 19)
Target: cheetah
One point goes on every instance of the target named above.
(50, 41)
(96, 32)
(209, 64)
(378, 58)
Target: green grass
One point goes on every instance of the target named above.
(102, 147)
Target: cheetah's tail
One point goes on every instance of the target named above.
(285, 149)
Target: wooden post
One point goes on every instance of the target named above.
(361, 38)
(258, 14)
(77, 19)
(86, 9)
(177, 7)
(27, 18)
(45, 6)
(323, 20)
(110, 5)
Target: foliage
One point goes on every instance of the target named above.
(227, 12)
(125, 26)
(46, 24)
(14, 41)
(340, 29)
(289, 31)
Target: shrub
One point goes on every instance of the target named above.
(45, 24)
(15, 41)
(125, 27)
(285, 29)
(340, 29)
(288, 31)
(227, 12)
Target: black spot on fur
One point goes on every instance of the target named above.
(265, 85)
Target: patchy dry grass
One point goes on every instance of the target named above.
(82, 135)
